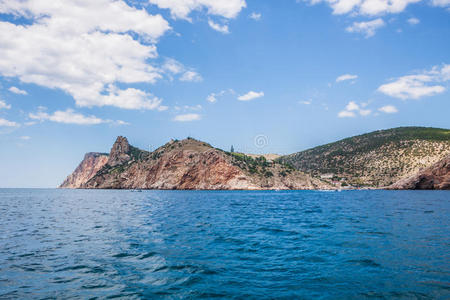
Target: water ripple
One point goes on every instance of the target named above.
(230, 245)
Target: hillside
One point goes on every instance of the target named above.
(375, 159)
(185, 165)
(436, 177)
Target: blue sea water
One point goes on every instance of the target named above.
(247, 245)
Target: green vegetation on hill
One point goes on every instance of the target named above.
(377, 158)
(258, 165)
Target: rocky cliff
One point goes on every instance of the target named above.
(91, 164)
(189, 164)
(436, 177)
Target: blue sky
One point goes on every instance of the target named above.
(265, 76)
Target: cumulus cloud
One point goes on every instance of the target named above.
(191, 76)
(441, 3)
(352, 109)
(255, 16)
(365, 112)
(367, 28)
(6, 123)
(346, 114)
(413, 21)
(388, 109)
(187, 118)
(213, 97)
(69, 116)
(4, 105)
(83, 48)
(422, 84)
(346, 77)
(181, 9)
(251, 96)
(189, 107)
(18, 91)
(367, 7)
(174, 67)
(217, 27)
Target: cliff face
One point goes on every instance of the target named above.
(436, 177)
(91, 164)
(191, 164)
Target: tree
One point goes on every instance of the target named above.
(232, 149)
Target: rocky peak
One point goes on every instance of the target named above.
(120, 152)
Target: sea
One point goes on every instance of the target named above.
(101, 244)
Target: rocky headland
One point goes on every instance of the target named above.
(185, 165)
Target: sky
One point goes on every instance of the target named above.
(266, 76)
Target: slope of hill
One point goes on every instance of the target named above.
(374, 159)
(187, 164)
(436, 177)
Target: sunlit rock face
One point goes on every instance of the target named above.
(119, 152)
(91, 164)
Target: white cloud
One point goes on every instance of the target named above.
(82, 47)
(346, 77)
(181, 9)
(365, 112)
(18, 91)
(250, 96)
(442, 3)
(189, 108)
(130, 98)
(4, 105)
(172, 66)
(187, 118)
(346, 114)
(217, 27)
(413, 21)
(120, 123)
(367, 28)
(388, 109)
(255, 16)
(25, 138)
(423, 84)
(352, 108)
(212, 98)
(371, 8)
(191, 76)
(69, 116)
(367, 7)
(6, 123)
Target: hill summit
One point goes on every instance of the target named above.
(376, 159)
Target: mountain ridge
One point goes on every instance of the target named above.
(186, 164)
(373, 160)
